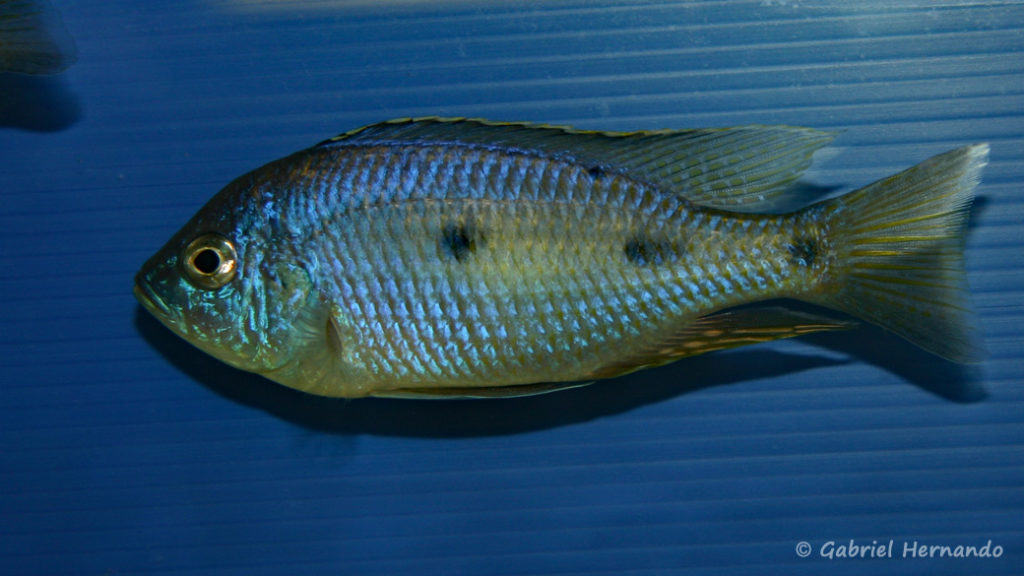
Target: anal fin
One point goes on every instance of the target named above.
(724, 330)
(477, 392)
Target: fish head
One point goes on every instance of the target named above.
(225, 284)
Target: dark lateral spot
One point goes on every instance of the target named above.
(644, 251)
(596, 172)
(457, 241)
(803, 251)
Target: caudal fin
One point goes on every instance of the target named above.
(899, 253)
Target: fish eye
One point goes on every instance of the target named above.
(210, 261)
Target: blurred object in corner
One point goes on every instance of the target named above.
(33, 39)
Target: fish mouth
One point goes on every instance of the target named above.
(151, 301)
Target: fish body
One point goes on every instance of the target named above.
(441, 258)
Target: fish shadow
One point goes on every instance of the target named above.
(37, 103)
(959, 383)
(474, 418)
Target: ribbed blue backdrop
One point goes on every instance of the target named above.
(125, 451)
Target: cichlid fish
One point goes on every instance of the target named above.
(463, 258)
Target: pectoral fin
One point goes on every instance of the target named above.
(726, 330)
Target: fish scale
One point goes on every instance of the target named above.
(464, 258)
(532, 211)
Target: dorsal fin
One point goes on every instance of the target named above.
(742, 169)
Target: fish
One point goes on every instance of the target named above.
(465, 258)
(33, 38)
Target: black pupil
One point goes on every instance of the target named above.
(207, 261)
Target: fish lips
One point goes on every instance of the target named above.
(153, 303)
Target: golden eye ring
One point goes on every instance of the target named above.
(210, 261)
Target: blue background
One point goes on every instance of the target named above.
(125, 451)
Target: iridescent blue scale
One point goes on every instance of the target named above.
(425, 258)
(547, 292)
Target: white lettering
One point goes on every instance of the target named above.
(917, 550)
(853, 550)
(910, 550)
(941, 550)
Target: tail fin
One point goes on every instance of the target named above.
(898, 245)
